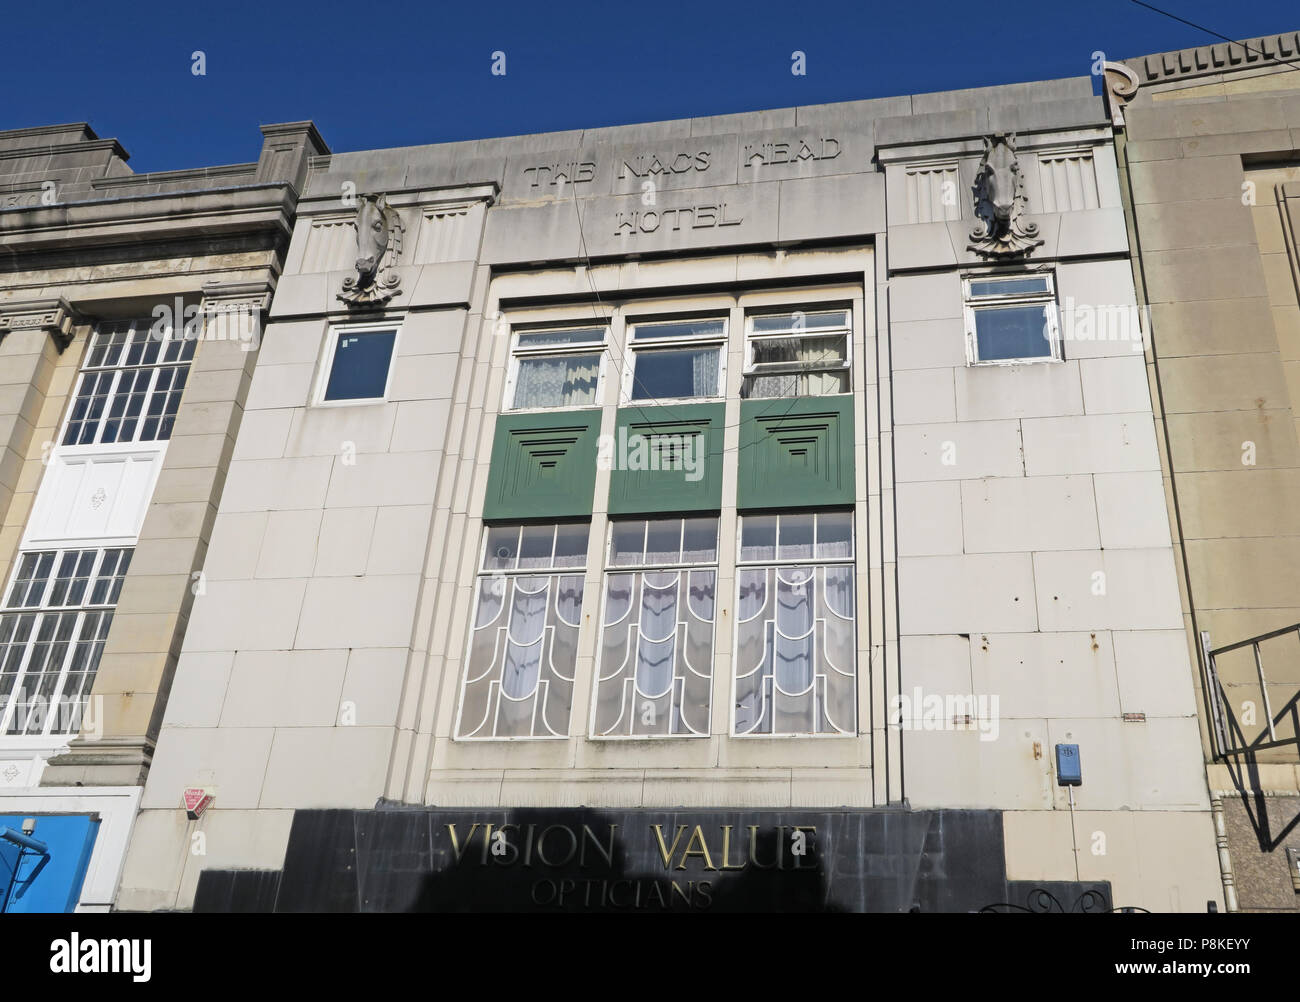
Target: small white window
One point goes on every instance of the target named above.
(797, 354)
(1011, 318)
(358, 364)
(558, 367)
(676, 360)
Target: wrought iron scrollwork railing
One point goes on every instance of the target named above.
(1040, 901)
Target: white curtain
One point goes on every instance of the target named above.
(705, 372)
(807, 351)
(557, 382)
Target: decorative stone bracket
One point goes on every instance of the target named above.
(1121, 85)
(54, 316)
(233, 311)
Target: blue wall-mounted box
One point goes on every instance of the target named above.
(1069, 771)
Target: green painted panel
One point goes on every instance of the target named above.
(666, 459)
(543, 466)
(796, 452)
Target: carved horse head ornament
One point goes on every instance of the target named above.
(1000, 202)
(379, 244)
(1000, 174)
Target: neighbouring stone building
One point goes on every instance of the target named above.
(764, 511)
(117, 430)
(1209, 147)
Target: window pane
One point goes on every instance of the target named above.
(663, 541)
(654, 677)
(48, 640)
(627, 542)
(518, 679)
(795, 384)
(758, 537)
(133, 397)
(62, 578)
(567, 381)
(799, 321)
(113, 346)
(535, 549)
(360, 367)
(1007, 286)
(26, 571)
(502, 548)
(1012, 332)
(796, 541)
(667, 374)
(571, 545)
(573, 335)
(700, 541)
(77, 592)
(835, 535)
(679, 328)
(794, 661)
(810, 351)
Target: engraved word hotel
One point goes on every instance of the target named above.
(877, 506)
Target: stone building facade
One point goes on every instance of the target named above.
(605, 522)
(1209, 147)
(785, 510)
(118, 424)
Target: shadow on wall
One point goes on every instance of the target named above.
(1246, 777)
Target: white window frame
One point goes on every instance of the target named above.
(972, 305)
(517, 353)
(681, 566)
(482, 572)
(718, 341)
(332, 335)
(135, 443)
(751, 314)
(739, 564)
(52, 738)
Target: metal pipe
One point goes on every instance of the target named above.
(1214, 699)
(1263, 688)
(26, 841)
(1225, 860)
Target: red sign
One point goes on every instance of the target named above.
(196, 801)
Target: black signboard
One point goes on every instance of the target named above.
(544, 860)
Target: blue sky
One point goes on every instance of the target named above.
(376, 75)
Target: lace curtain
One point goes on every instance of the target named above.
(566, 381)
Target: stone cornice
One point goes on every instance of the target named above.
(424, 196)
(59, 128)
(973, 146)
(148, 218)
(81, 146)
(1220, 57)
